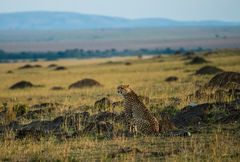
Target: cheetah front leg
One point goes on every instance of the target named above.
(133, 127)
(142, 126)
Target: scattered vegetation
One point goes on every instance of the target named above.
(87, 124)
(81, 53)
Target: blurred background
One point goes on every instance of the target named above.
(82, 29)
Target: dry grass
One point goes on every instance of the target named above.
(146, 77)
(216, 146)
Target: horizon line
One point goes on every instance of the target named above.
(92, 14)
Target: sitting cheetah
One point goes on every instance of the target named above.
(136, 112)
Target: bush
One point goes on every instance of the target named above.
(4, 107)
(20, 109)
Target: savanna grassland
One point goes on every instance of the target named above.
(211, 142)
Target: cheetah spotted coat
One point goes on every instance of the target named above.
(138, 115)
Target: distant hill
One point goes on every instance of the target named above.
(67, 20)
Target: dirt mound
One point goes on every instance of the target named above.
(222, 85)
(22, 85)
(52, 65)
(57, 88)
(85, 83)
(98, 123)
(207, 113)
(103, 104)
(45, 105)
(28, 66)
(208, 70)
(103, 116)
(226, 80)
(9, 72)
(58, 68)
(171, 79)
(198, 60)
(73, 121)
(40, 128)
(192, 115)
(37, 66)
(128, 63)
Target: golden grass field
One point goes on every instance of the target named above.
(147, 77)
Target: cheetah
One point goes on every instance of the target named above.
(136, 112)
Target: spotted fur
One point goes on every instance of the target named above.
(136, 112)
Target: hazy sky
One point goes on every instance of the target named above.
(228, 10)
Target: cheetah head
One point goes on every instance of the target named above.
(123, 89)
